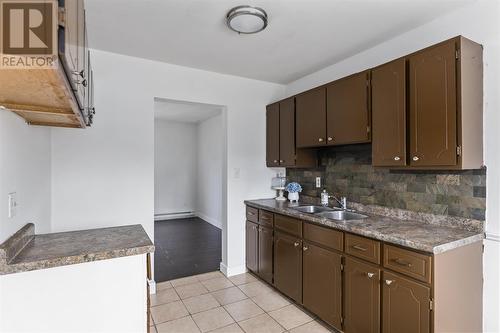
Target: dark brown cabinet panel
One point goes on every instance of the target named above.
(389, 114)
(272, 135)
(265, 253)
(322, 284)
(347, 105)
(252, 247)
(311, 118)
(361, 297)
(287, 132)
(405, 305)
(288, 265)
(433, 106)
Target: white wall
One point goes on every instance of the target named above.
(103, 176)
(209, 170)
(24, 169)
(479, 22)
(175, 164)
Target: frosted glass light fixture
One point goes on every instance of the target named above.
(246, 19)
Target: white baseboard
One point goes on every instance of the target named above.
(210, 220)
(493, 237)
(173, 216)
(152, 287)
(231, 271)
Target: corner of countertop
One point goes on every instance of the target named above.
(16, 243)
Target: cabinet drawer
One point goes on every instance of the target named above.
(328, 237)
(266, 218)
(407, 262)
(252, 214)
(288, 224)
(364, 248)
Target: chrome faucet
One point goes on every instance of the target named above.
(325, 196)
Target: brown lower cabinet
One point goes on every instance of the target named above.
(252, 250)
(406, 305)
(288, 265)
(322, 283)
(361, 297)
(265, 254)
(362, 285)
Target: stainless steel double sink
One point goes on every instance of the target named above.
(330, 213)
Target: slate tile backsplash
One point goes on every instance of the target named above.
(347, 171)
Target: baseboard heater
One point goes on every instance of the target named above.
(171, 216)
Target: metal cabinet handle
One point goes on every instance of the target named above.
(79, 73)
(330, 138)
(389, 282)
(402, 262)
(281, 161)
(296, 244)
(251, 214)
(82, 82)
(254, 228)
(415, 158)
(397, 158)
(370, 275)
(305, 248)
(320, 139)
(359, 248)
(275, 161)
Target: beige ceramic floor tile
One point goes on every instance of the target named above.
(164, 296)
(211, 275)
(261, 324)
(163, 285)
(311, 327)
(151, 321)
(170, 311)
(181, 325)
(242, 278)
(153, 329)
(233, 328)
(191, 290)
(217, 284)
(212, 319)
(255, 288)
(184, 281)
(290, 316)
(243, 310)
(270, 301)
(200, 303)
(229, 295)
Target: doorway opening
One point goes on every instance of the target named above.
(189, 171)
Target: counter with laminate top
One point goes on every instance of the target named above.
(26, 251)
(423, 232)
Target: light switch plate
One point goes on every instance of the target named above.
(12, 204)
(318, 182)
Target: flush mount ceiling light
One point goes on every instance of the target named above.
(246, 19)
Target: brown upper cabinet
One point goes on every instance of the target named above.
(311, 118)
(389, 114)
(59, 95)
(348, 110)
(431, 103)
(280, 137)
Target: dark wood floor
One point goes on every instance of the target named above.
(186, 247)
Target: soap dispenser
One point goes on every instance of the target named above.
(324, 197)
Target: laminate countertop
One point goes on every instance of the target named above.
(418, 235)
(25, 251)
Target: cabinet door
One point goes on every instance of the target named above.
(405, 305)
(266, 254)
(433, 107)
(288, 265)
(389, 114)
(272, 135)
(311, 118)
(287, 132)
(322, 287)
(348, 110)
(252, 250)
(361, 297)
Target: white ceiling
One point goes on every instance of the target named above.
(185, 112)
(303, 36)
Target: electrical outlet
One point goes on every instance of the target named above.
(318, 182)
(12, 204)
